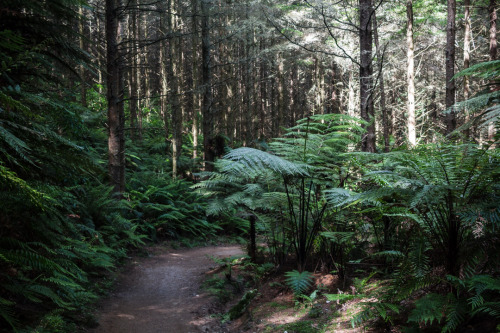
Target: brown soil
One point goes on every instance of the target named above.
(162, 294)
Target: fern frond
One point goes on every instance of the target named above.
(299, 282)
(428, 309)
(253, 159)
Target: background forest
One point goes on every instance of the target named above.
(353, 136)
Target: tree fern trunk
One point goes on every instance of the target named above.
(253, 245)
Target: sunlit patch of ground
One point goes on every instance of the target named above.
(275, 310)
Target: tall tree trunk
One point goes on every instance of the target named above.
(467, 32)
(366, 74)
(164, 77)
(207, 111)
(281, 96)
(247, 90)
(138, 79)
(351, 103)
(451, 121)
(385, 117)
(116, 118)
(133, 75)
(195, 73)
(263, 93)
(173, 80)
(493, 52)
(100, 56)
(81, 32)
(412, 135)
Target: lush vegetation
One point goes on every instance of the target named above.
(62, 228)
(426, 218)
(423, 220)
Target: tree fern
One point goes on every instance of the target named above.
(299, 282)
(484, 100)
(428, 309)
(374, 310)
(253, 159)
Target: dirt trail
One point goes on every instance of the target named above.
(162, 294)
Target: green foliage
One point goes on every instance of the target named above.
(455, 308)
(238, 310)
(169, 209)
(485, 102)
(374, 310)
(429, 308)
(299, 282)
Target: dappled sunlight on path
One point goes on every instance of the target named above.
(162, 294)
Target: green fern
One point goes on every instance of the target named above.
(299, 282)
(429, 308)
(374, 310)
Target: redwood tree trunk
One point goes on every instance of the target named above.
(366, 74)
(412, 135)
(207, 101)
(467, 32)
(451, 122)
(385, 117)
(493, 52)
(173, 65)
(116, 118)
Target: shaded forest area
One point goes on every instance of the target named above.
(357, 137)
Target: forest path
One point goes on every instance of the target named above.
(162, 293)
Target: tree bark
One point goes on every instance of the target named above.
(164, 77)
(133, 75)
(81, 32)
(467, 32)
(281, 97)
(412, 135)
(173, 80)
(116, 118)
(366, 74)
(451, 121)
(139, 76)
(352, 98)
(493, 52)
(207, 111)
(263, 93)
(385, 117)
(195, 74)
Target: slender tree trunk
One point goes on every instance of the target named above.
(412, 135)
(451, 121)
(116, 140)
(133, 75)
(263, 94)
(493, 52)
(352, 98)
(253, 244)
(173, 79)
(248, 90)
(138, 78)
(81, 32)
(385, 117)
(366, 74)
(294, 85)
(281, 96)
(335, 97)
(208, 116)
(164, 77)
(100, 57)
(195, 72)
(467, 32)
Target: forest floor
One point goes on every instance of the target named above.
(161, 293)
